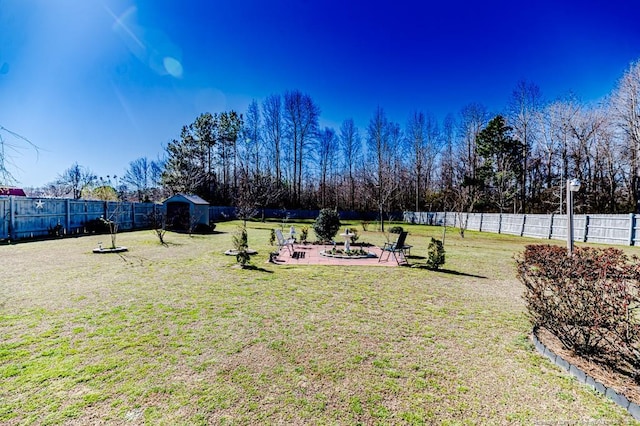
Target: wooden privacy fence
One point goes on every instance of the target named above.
(26, 217)
(603, 228)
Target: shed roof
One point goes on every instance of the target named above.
(11, 190)
(189, 198)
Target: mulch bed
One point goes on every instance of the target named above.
(619, 382)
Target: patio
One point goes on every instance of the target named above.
(309, 254)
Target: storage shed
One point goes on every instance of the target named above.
(184, 212)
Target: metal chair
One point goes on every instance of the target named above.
(284, 242)
(396, 249)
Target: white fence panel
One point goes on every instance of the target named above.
(537, 226)
(512, 224)
(609, 228)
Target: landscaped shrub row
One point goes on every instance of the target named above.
(590, 301)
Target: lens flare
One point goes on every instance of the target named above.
(173, 67)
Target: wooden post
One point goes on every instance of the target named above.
(133, 216)
(67, 224)
(12, 217)
(632, 229)
(586, 228)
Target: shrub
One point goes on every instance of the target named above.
(435, 256)
(202, 228)
(354, 236)
(327, 224)
(589, 301)
(56, 230)
(96, 226)
(241, 244)
(396, 230)
(304, 233)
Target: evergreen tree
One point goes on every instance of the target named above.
(501, 165)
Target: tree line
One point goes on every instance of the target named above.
(275, 154)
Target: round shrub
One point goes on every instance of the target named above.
(396, 230)
(327, 224)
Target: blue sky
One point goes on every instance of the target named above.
(103, 82)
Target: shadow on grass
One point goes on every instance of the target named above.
(464, 274)
(256, 268)
(168, 244)
(446, 271)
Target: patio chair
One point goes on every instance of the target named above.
(284, 242)
(397, 249)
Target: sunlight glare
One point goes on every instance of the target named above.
(151, 46)
(173, 66)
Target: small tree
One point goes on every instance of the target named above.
(241, 245)
(157, 222)
(327, 224)
(112, 223)
(435, 257)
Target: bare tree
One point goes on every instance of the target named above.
(351, 149)
(416, 135)
(525, 102)
(253, 138)
(273, 131)
(6, 150)
(301, 120)
(140, 176)
(383, 177)
(327, 150)
(626, 111)
(76, 179)
(473, 118)
(447, 163)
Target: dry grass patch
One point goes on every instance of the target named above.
(176, 335)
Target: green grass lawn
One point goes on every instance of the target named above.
(177, 334)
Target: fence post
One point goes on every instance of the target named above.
(67, 224)
(500, 223)
(551, 226)
(133, 216)
(12, 217)
(586, 228)
(632, 228)
(480, 227)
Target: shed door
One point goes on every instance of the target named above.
(178, 217)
